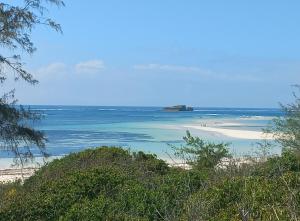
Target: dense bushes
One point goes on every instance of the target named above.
(114, 184)
(248, 198)
(101, 184)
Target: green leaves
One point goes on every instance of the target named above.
(248, 198)
(110, 183)
(16, 131)
(202, 154)
(286, 129)
(17, 20)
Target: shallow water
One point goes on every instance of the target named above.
(74, 128)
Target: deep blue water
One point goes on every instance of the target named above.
(73, 128)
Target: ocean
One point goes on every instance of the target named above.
(150, 129)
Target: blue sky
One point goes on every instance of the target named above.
(164, 52)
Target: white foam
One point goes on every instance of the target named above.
(50, 109)
(107, 109)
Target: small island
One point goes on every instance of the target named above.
(178, 108)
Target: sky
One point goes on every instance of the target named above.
(205, 53)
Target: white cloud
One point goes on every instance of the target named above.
(54, 68)
(60, 69)
(167, 67)
(197, 70)
(92, 66)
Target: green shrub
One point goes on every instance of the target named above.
(114, 184)
(248, 198)
(103, 183)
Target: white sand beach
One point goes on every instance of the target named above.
(10, 175)
(240, 134)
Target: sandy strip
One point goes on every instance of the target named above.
(240, 134)
(10, 175)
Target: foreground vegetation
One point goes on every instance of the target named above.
(110, 183)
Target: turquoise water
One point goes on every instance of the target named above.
(74, 128)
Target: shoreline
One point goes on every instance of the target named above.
(14, 174)
(238, 134)
(9, 175)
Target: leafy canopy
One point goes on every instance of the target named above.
(16, 24)
(202, 154)
(286, 129)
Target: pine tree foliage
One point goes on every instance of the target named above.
(16, 24)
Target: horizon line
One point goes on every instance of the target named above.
(160, 106)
